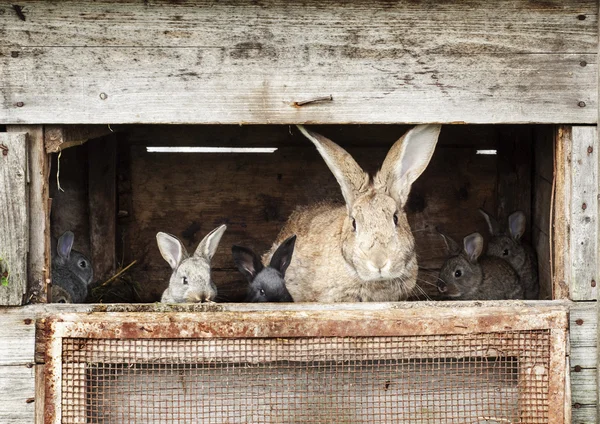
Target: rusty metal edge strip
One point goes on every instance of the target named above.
(52, 374)
(557, 375)
(418, 321)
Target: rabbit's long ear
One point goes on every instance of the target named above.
(283, 255)
(65, 244)
(349, 175)
(516, 225)
(452, 247)
(491, 222)
(406, 161)
(473, 244)
(247, 262)
(208, 246)
(171, 249)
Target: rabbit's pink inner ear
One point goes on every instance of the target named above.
(209, 244)
(473, 244)
(349, 175)
(171, 249)
(407, 159)
(516, 225)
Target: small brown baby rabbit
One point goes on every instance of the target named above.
(508, 245)
(466, 275)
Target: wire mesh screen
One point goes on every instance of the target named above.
(475, 378)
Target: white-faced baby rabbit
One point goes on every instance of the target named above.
(466, 275)
(508, 245)
(363, 251)
(267, 284)
(71, 270)
(190, 281)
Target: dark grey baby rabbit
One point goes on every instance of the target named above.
(71, 270)
(190, 280)
(267, 284)
(515, 251)
(466, 275)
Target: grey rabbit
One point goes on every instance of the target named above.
(510, 247)
(71, 270)
(467, 275)
(190, 280)
(267, 283)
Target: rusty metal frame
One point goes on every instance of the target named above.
(303, 321)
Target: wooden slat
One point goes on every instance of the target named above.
(14, 218)
(584, 414)
(17, 394)
(208, 62)
(532, 27)
(584, 214)
(102, 183)
(562, 215)
(38, 268)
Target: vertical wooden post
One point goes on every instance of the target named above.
(584, 213)
(102, 156)
(38, 267)
(14, 225)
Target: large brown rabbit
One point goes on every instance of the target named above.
(363, 251)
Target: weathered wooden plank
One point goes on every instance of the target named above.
(584, 414)
(17, 394)
(102, 183)
(584, 386)
(38, 268)
(562, 215)
(14, 218)
(172, 85)
(61, 137)
(584, 213)
(474, 26)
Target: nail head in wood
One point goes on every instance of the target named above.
(584, 206)
(577, 368)
(581, 104)
(30, 400)
(593, 283)
(20, 104)
(581, 17)
(579, 322)
(103, 96)
(590, 150)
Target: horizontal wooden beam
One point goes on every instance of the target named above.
(209, 62)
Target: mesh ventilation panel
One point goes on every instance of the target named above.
(476, 378)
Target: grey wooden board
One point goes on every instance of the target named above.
(210, 62)
(584, 213)
(17, 392)
(584, 415)
(14, 225)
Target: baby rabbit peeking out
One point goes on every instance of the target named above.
(469, 275)
(266, 283)
(72, 271)
(190, 280)
(509, 245)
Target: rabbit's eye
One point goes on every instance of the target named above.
(505, 252)
(184, 281)
(457, 273)
(354, 224)
(262, 292)
(82, 264)
(395, 220)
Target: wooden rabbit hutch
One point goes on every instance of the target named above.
(90, 89)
